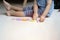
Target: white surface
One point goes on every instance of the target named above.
(16, 30)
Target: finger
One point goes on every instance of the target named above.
(41, 20)
(34, 17)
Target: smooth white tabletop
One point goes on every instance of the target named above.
(26, 30)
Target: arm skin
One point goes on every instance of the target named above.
(24, 3)
(35, 8)
(42, 18)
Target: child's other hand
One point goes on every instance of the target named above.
(42, 18)
(35, 16)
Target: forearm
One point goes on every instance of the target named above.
(35, 7)
(47, 9)
(24, 3)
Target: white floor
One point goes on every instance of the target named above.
(18, 30)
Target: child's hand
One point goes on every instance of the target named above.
(42, 18)
(35, 16)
